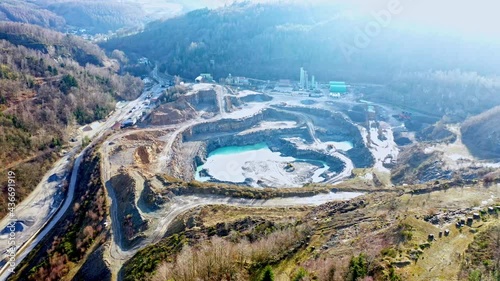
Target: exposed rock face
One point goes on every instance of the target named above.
(436, 133)
(481, 134)
(330, 127)
(203, 100)
(230, 126)
(238, 101)
(185, 108)
(288, 149)
(131, 222)
(201, 155)
(94, 268)
(415, 166)
(186, 156)
(150, 199)
(333, 127)
(312, 124)
(273, 138)
(173, 113)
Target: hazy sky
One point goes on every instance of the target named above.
(479, 17)
(470, 18)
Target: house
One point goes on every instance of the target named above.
(87, 128)
(117, 126)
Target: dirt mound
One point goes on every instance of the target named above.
(147, 154)
(143, 155)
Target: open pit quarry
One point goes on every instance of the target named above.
(208, 135)
(214, 145)
(207, 144)
(221, 137)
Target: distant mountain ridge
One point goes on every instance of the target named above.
(91, 16)
(271, 41)
(94, 16)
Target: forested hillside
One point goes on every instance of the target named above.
(93, 16)
(26, 12)
(455, 94)
(481, 134)
(52, 43)
(271, 41)
(99, 16)
(45, 92)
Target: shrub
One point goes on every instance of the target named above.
(358, 268)
(475, 275)
(300, 275)
(393, 276)
(85, 141)
(391, 252)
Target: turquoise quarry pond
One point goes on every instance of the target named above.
(237, 163)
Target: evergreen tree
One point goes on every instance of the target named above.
(268, 274)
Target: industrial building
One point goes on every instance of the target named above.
(204, 78)
(304, 82)
(241, 81)
(237, 80)
(338, 87)
(306, 86)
